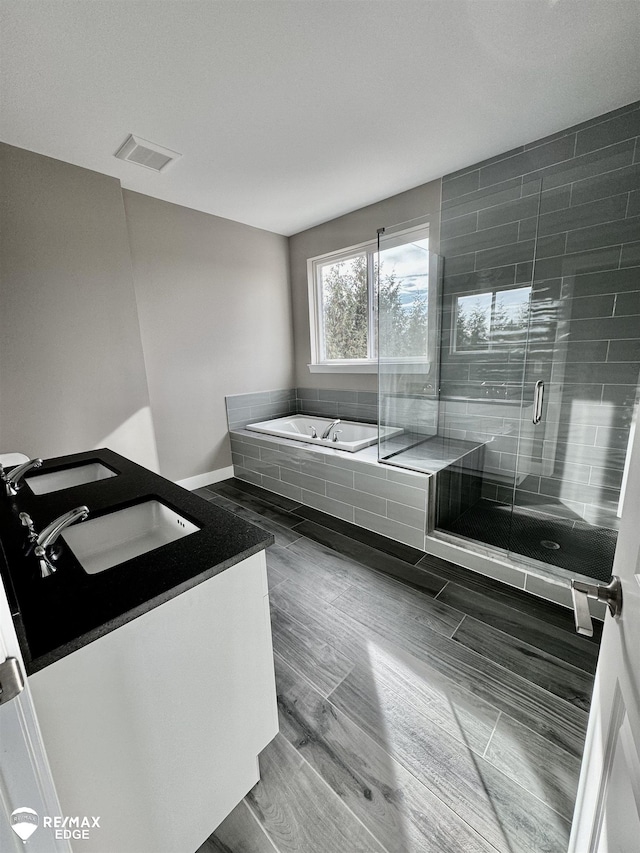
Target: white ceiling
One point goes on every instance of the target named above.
(291, 112)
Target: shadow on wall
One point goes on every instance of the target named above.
(135, 438)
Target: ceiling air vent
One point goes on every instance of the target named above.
(147, 154)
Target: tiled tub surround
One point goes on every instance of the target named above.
(350, 486)
(495, 421)
(410, 410)
(259, 406)
(353, 486)
(563, 215)
(459, 483)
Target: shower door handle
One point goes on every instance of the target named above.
(538, 397)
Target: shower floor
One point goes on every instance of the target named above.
(583, 548)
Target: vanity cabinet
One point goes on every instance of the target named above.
(156, 726)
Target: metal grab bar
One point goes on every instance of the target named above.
(538, 397)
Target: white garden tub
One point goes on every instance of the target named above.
(351, 436)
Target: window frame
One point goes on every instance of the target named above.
(320, 364)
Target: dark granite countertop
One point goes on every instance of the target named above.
(57, 615)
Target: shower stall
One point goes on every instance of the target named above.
(511, 356)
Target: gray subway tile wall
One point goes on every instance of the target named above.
(563, 216)
(243, 409)
(359, 406)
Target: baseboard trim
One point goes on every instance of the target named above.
(200, 480)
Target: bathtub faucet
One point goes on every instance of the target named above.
(327, 431)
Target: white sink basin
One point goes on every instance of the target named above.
(53, 481)
(103, 542)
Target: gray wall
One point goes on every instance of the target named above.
(72, 370)
(349, 230)
(215, 319)
(94, 354)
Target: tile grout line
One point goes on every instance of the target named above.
(277, 584)
(335, 794)
(297, 539)
(376, 572)
(554, 658)
(532, 793)
(446, 584)
(546, 803)
(493, 731)
(512, 605)
(261, 827)
(561, 639)
(302, 625)
(336, 597)
(464, 616)
(305, 678)
(258, 516)
(520, 677)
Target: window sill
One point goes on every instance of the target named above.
(391, 365)
(346, 367)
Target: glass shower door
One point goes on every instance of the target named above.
(540, 353)
(581, 373)
(408, 308)
(487, 243)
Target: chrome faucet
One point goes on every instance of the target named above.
(327, 431)
(45, 540)
(12, 482)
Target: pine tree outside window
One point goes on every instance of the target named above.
(345, 290)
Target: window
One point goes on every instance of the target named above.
(346, 303)
(354, 291)
(403, 290)
(495, 320)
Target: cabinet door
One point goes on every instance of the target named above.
(156, 727)
(25, 778)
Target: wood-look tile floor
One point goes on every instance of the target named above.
(423, 708)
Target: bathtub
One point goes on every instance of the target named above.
(354, 436)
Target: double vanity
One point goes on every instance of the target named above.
(145, 633)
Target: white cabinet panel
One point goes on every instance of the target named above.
(156, 726)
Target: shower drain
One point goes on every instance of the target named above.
(552, 546)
